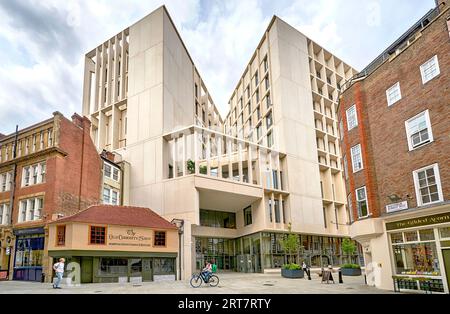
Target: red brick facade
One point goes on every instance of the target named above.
(388, 163)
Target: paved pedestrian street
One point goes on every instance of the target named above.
(230, 283)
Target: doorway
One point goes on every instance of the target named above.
(86, 269)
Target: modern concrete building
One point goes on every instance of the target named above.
(239, 184)
(396, 119)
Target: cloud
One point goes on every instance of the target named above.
(42, 43)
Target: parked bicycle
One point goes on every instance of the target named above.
(198, 279)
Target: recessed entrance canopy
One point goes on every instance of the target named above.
(226, 201)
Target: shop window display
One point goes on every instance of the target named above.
(417, 259)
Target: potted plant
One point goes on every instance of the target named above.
(292, 271)
(291, 247)
(349, 248)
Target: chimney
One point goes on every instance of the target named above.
(77, 120)
(441, 3)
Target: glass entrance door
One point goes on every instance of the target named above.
(446, 257)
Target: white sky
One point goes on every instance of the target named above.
(43, 42)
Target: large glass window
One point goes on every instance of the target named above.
(418, 130)
(248, 219)
(361, 200)
(4, 214)
(31, 209)
(217, 219)
(416, 259)
(357, 161)
(277, 212)
(29, 251)
(113, 267)
(428, 185)
(430, 69)
(34, 174)
(352, 118)
(163, 266)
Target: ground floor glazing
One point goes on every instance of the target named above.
(254, 253)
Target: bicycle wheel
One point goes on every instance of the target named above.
(214, 281)
(196, 281)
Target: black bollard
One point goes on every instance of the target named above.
(308, 271)
(340, 277)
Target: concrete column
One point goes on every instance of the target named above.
(269, 155)
(123, 53)
(101, 133)
(184, 154)
(241, 171)
(261, 182)
(219, 155)
(97, 80)
(230, 163)
(89, 67)
(280, 199)
(250, 163)
(196, 159)
(208, 154)
(272, 209)
(116, 69)
(103, 78)
(115, 130)
(110, 68)
(174, 157)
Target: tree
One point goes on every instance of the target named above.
(291, 245)
(348, 247)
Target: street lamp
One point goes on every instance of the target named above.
(180, 225)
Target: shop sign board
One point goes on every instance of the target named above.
(121, 237)
(418, 222)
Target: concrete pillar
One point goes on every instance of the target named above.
(115, 130)
(250, 163)
(208, 154)
(184, 154)
(101, 133)
(97, 79)
(110, 68)
(102, 78)
(277, 156)
(174, 156)
(230, 163)
(196, 159)
(280, 199)
(219, 155)
(122, 66)
(241, 171)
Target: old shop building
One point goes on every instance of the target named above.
(395, 125)
(116, 244)
(47, 170)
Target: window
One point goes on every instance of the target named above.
(196, 91)
(5, 181)
(393, 94)
(4, 214)
(268, 101)
(160, 238)
(111, 172)
(361, 200)
(217, 219)
(110, 196)
(34, 174)
(267, 83)
(270, 139)
(428, 185)
(277, 212)
(270, 211)
(41, 140)
(98, 235)
(266, 64)
(418, 130)
(257, 96)
(256, 77)
(324, 217)
(269, 120)
(430, 70)
(60, 235)
(31, 209)
(357, 158)
(352, 118)
(248, 219)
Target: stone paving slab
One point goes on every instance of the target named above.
(230, 283)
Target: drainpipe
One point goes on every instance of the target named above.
(13, 190)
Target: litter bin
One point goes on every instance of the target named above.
(43, 278)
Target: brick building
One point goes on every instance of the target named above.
(49, 170)
(395, 125)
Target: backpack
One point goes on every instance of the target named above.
(214, 268)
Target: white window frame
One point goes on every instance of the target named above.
(358, 200)
(422, 69)
(41, 168)
(113, 168)
(5, 212)
(111, 191)
(31, 214)
(437, 176)
(355, 170)
(389, 92)
(430, 131)
(350, 118)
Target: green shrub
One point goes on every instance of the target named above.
(351, 266)
(292, 267)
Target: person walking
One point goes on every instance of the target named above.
(59, 270)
